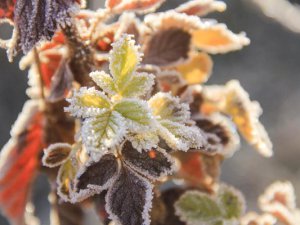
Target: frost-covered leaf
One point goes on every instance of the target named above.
(7, 9)
(124, 59)
(95, 177)
(279, 200)
(136, 113)
(38, 20)
(195, 207)
(234, 101)
(167, 107)
(220, 132)
(129, 199)
(65, 178)
(61, 82)
(197, 69)
(255, 219)
(181, 137)
(88, 102)
(144, 139)
(104, 81)
(104, 131)
(154, 163)
(231, 201)
(245, 114)
(125, 81)
(56, 154)
(201, 7)
(216, 38)
(139, 85)
(140, 6)
(282, 193)
(172, 116)
(167, 47)
(130, 24)
(19, 162)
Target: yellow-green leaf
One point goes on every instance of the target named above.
(104, 81)
(136, 113)
(167, 107)
(87, 102)
(124, 60)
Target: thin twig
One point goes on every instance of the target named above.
(38, 64)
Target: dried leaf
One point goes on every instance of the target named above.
(20, 161)
(65, 179)
(140, 6)
(154, 164)
(201, 7)
(216, 38)
(56, 154)
(129, 200)
(255, 219)
(245, 114)
(234, 101)
(197, 69)
(199, 170)
(208, 36)
(221, 134)
(61, 82)
(279, 200)
(167, 47)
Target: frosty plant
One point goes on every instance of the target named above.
(121, 121)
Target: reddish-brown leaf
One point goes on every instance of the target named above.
(19, 164)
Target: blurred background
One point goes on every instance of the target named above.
(269, 69)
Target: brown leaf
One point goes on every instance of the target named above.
(128, 202)
(167, 47)
(98, 175)
(154, 163)
(61, 82)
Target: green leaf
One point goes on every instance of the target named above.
(167, 107)
(87, 102)
(124, 59)
(181, 137)
(231, 201)
(104, 81)
(104, 131)
(139, 85)
(136, 113)
(195, 207)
